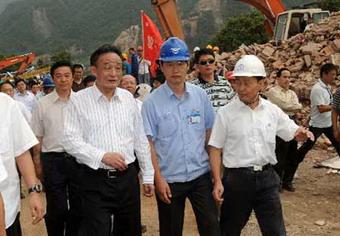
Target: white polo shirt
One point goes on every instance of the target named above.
(248, 136)
(320, 95)
(16, 137)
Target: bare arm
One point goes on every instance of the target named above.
(2, 218)
(324, 108)
(215, 164)
(207, 137)
(336, 132)
(26, 168)
(161, 186)
(37, 160)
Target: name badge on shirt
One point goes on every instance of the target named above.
(194, 117)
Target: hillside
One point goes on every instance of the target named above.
(46, 26)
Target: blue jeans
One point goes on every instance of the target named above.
(246, 190)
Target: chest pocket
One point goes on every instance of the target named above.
(167, 125)
(270, 133)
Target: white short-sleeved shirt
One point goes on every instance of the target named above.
(16, 137)
(48, 121)
(248, 136)
(320, 95)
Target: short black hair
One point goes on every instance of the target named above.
(6, 82)
(279, 72)
(202, 52)
(88, 79)
(58, 64)
(18, 80)
(77, 66)
(328, 67)
(106, 48)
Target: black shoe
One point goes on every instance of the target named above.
(289, 187)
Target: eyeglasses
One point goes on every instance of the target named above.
(204, 63)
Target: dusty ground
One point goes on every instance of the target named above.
(317, 198)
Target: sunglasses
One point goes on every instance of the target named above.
(204, 63)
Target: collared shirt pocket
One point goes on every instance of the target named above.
(167, 126)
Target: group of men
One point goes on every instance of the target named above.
(89, 147)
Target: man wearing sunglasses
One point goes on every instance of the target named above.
(218, 88)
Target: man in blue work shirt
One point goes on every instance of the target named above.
(178, 118)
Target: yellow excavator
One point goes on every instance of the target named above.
(280, 23)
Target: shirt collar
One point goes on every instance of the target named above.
(24, 94)
(170, 93)
(98, 94)
(322, 84)
(55, 97)
(244, 106)
(202, 81)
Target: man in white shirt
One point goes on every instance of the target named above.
(285, 98)
(321, 112)
(245, 131)
(143, 67)
(24, 96)
(16, 140)
(3, 176)
(57, 169)
(103, 130)
(8, 88)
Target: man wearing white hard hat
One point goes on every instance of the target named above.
(245, 131)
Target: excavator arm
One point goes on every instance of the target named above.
(168, 17)
(270, 9)
(25, 60)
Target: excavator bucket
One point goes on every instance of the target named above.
(167, 14)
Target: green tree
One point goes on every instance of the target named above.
(61, 56)
(331, 5)
(245, 28)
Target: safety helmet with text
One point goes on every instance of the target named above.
(174, 49)
(249, 66)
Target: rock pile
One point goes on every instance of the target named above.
(302, 54)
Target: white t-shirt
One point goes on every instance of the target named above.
(320, 95)
(16, 137)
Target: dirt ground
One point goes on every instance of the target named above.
(317, 198)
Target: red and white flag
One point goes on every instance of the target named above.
(152, 41)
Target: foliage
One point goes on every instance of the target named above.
(331, 5)
(243, 29)
(61, 56)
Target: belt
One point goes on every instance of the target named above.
(255, 168)
(114, 173)
(65, 154)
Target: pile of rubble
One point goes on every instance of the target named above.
(302, 54)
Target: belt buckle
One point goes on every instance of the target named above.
(257, 168)
(112, 174)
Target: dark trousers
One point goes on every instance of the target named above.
(199, 192)
(246, 190)
(61, 181)
(308, 145)
(286, 158)
(15, 228)
(110, 204)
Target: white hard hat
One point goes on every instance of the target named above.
(196, 49)
(248, 66)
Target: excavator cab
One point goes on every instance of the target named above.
(293, 22)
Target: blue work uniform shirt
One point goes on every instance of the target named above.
(178, 128)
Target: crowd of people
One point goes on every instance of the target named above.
(221, 140)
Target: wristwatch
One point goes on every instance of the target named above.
(37, 188)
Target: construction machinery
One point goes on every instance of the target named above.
(279, 23)
(25, 61)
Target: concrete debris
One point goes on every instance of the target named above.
(320, 222)
(302, 54)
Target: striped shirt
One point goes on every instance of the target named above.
(336, 101)
(93, 126)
